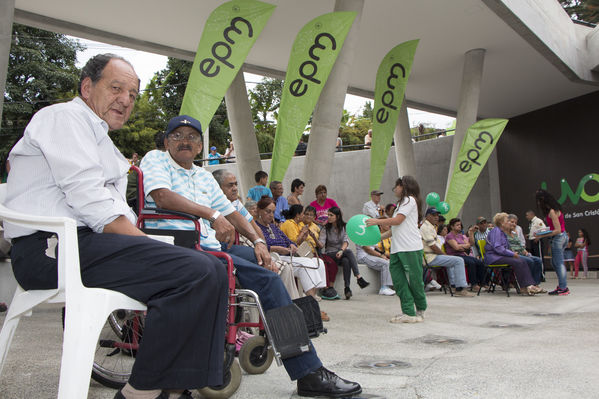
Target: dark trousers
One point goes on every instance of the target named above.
(185, 291)
(272, 294)
(520, 269)
(349, 264)
(476, 270)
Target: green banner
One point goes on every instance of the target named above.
(391, 80)
(229, 33)
(479, 142)
(313, 55)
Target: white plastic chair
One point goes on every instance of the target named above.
(86, 308)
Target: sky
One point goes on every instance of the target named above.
(146, 64)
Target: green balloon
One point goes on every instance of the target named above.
(358, 232)
(432, 199)
(443, 207)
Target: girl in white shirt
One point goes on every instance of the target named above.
(405, 262)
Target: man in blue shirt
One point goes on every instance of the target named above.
(172, 181)
(276, 187)
(213, 156)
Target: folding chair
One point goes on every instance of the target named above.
(86, 308)
(498, 271)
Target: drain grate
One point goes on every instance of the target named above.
(438, 340)
(383, 364)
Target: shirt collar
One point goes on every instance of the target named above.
(175, 165)
(79, 101)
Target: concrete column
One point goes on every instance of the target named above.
(7, 12)
(329, 109)
(247, 154)
(468, 106)
(404, 148)
(494, 191)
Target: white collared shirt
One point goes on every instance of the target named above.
(371, 209)
(536, 224)
(66, 165)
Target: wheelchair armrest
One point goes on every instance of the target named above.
(160, 211)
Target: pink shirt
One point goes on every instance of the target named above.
(321, 211)
(560, 219)
(460, 239)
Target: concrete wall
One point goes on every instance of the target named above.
(350, 178)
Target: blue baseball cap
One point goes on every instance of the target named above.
(213, 148)
(182, 120)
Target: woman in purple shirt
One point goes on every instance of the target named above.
(497, 251)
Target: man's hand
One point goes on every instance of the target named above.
(225, 232)
(263, 256)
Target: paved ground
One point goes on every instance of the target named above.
(486, 347)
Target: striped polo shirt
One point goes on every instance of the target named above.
(196, 184)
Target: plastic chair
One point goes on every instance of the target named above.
(492, 268)
(86, 308)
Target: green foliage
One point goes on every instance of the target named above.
(41, 72)
(582, 10)
(368, 111)
(265, 100)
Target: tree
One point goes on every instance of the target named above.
(582, 10)
(265, 99)
(161, 101)
(41, 72)
(367, 110)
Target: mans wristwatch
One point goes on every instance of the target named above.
(259, 241)
(213, 218)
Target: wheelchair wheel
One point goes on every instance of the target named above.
(117, 348)
(251, 357)
(231, 382)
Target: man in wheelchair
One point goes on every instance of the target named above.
(173, 182)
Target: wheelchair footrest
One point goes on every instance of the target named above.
(288, 331)
(311, 311)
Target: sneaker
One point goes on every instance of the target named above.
(559, 291)
(464, 292)
(329, 293)
(430, 287)
(404, 318)
(386, 291)
(3, 307)
(363, 283)
(435, 284)
(348, 293)
(420, 313)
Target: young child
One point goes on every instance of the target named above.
(582, 254)
(405, 262)
(569, 256)
(260, 189)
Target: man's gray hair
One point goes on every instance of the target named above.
(274, 183)
(220, 175)
(512, 216)
(95, 66)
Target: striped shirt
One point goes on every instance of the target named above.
(241, 209)
(196, 184)
(66, 165)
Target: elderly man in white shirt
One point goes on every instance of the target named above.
(373, 207)
(67, 165)
(535, 225)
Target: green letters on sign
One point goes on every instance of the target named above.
(391, 80)
(479, 142)
(229, 33)
(313, 55)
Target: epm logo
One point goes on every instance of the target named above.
(575, 196)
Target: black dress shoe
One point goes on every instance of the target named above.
(323, 382)
(348, 293)
(363, 283)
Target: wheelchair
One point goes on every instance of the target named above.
(123, 331)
